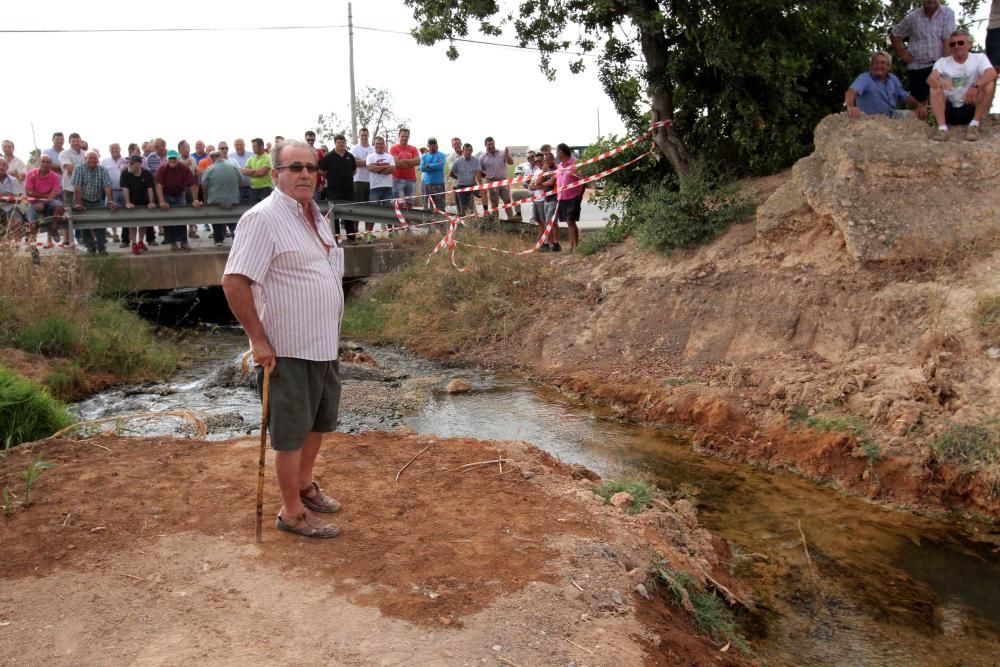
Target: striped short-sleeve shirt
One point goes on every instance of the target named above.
(297, 285)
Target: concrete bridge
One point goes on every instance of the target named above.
(161, 268)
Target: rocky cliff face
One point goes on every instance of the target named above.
(892, 192)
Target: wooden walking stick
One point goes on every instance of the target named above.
(265, 401)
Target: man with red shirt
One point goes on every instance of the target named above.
(44, 187)
(172, 178)
(404, 178)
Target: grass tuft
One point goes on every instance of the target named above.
(710, 615)
(436, 311)
(641, 492)
(974, 446)
(988, 318)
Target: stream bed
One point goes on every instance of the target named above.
(870, 586)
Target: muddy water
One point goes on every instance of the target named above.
(879, 587)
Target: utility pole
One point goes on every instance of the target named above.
(598, 122)
(354, 104)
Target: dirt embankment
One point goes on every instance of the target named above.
(142, 551)
(777, 347)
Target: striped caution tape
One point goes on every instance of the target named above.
(576, 165)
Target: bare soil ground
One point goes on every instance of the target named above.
(141, 551)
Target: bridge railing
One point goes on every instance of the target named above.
(101, 218)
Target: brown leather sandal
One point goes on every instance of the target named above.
(320, 502)
(307, 526)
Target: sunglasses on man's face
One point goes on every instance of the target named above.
(297, 167)
(957, 42)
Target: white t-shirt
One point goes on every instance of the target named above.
(962, 75)
(535, 171)
(380, 180)
(18, 171)
(69, 156)
(114, 172)
(361, 153)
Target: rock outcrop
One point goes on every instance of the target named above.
(892, 192)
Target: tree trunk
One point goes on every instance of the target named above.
(656, 51)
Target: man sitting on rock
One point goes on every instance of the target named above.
(962, 87)
(878, 91)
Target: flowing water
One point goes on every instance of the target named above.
(878, 587)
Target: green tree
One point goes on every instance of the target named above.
(375, 111)
(745, 81)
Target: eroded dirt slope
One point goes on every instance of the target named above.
(749, 336)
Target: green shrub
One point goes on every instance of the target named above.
(363, 319)
(67, 380)
(697, 211)
(27, 410)
(112, 276)
(616, 231)
(970, 444)
(56, 335)
(641, 492)
(119, 342)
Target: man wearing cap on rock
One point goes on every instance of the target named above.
(172, 179)
(962, 87)
(284, 283)
(878, 91)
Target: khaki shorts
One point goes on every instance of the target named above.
(304, 398)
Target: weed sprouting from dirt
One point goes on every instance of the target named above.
(679, 381)
(872, 450)
(709, 614)
(851, 424)
(30, 475)
(987, 317)
(975, 446)
(8, 502)
(641, 492)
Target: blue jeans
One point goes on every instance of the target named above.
(94, 239)
(175, 233)
(259, 194)
(244, 194)
(404, 189)
(380, 195)
(466, 204)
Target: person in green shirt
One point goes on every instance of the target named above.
(259, 170)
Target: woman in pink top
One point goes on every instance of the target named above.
(570, 196)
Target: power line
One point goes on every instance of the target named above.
(56, 31)
(464, 40)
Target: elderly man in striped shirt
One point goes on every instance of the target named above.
(284, 283)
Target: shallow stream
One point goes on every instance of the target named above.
(879, 586)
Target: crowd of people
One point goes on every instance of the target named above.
(942, 71)
(152, 176)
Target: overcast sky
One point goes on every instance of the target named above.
(216, 85)
(128, 87)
